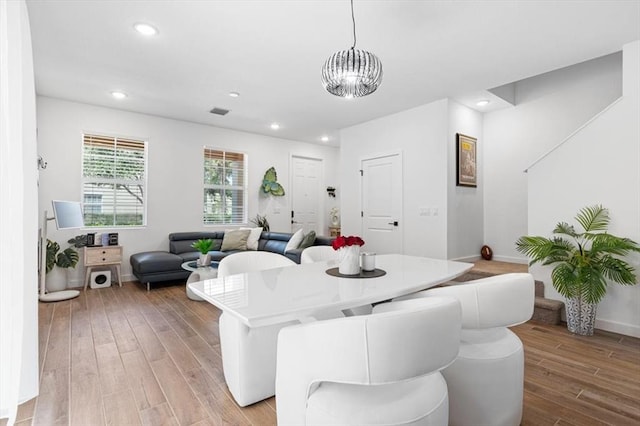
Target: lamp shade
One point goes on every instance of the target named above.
(352, 73)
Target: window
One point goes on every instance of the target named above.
(114, 181)
(224, 187)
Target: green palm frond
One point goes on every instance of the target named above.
(565, 229)
(541, 249)
(592, 286)
(593, 218)
(610, 244)
(618, 270)
(565, 279)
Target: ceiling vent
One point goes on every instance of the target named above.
(219, 111)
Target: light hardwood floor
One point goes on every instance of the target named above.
(125, 356)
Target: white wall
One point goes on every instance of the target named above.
(19, 214)
(599, 165)
(465, 211)
(426, 136)
(420, 134)
(548, 108)
(174, 199)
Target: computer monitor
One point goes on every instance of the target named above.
(68, 214)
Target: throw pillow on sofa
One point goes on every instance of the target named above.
(254, 237)
(295, 241)
(235, 240)
(308, 240)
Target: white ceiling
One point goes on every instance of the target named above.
(271, 52)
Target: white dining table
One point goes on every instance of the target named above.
(256, 305)
(300, 292)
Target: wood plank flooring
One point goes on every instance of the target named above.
(125, 356)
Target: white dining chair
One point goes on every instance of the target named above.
(327, 254)
(486, 381)
(249, 354)
(318, 254)
(369, 370)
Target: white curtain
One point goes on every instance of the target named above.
(19, 212)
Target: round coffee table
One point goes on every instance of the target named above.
(199, 273)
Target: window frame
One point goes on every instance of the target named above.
(144, 181)
(244, 188)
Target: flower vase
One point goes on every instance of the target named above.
(349, 258)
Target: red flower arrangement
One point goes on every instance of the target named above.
(343, 241)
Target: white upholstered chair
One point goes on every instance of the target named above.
(486, 380)
(249, 354)
(327, 253)
(369, 370)
(318, 254)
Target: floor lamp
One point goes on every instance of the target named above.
(55, 296)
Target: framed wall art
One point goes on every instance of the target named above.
(466, 158)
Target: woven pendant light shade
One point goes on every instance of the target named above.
(352, 73)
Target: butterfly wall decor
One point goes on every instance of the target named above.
(270, 184)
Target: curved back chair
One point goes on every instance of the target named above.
(327, 253)
(250, 261)
(486, 381)
(318, 254)
(372, 369)
(249, 354)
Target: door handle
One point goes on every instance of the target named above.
(394, 223)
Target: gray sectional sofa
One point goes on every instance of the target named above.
(156, 266)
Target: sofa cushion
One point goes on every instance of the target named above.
(295, 240)
(235, 239)
(254, 237)
(155, 261)
(308, 240)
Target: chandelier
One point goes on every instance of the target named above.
(352, 73)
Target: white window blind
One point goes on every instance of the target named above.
(224, 187)
(114, 181)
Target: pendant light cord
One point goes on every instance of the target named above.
(353, 19)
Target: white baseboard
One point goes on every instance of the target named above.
(520, 260)
(618, 327)
(467, 258)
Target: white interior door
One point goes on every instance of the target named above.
(381, 186)
(306, 194)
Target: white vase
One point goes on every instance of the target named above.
(56, 279)
(349, 258)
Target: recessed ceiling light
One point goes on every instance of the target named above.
(483, 102)
(275, 126)
(234, 94)
(118, 94)
(325, 139)
(145, 29)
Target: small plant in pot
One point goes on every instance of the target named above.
(203, 246)
(67, 258)
(584, 262)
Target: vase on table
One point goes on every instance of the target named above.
(204, 260)
(349, 260)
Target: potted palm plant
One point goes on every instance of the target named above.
(203, 246)
(584, 262)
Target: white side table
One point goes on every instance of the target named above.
(99, 257)
(199, 273)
